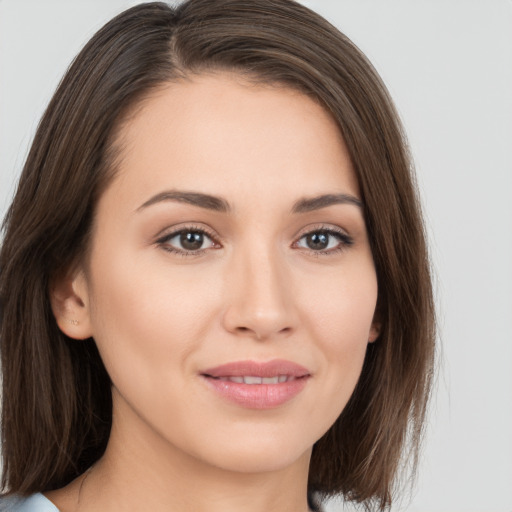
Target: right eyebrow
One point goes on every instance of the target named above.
(220, 204)
(207, 201)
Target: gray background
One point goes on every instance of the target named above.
(448, 65)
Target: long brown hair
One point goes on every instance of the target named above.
(56, 392)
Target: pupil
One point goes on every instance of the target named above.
(318, 240)
(191, 240)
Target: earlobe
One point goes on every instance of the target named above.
(70, 304)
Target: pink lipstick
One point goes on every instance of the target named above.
(257, 385)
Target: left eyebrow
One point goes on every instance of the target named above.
(210, 202)
(316, 203)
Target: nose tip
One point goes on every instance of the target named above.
(260, 302)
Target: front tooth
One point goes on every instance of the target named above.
(252, 380)
(270, 380)
(240, 380)
(282, 378)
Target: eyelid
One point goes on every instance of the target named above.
(321, 227)
(167, 234)
(345, 240)
(174, 230)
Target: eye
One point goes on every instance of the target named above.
(187, 241)
(325, 241)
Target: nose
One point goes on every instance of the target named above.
(260, 297)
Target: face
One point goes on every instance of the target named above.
(230, 287)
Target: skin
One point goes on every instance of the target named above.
(255, 291)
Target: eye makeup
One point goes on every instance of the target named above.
(322, 240)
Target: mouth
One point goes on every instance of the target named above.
(252, 379)
(279, 369)
(256, 385)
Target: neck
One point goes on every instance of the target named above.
(142, 471)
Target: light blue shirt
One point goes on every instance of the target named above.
(34, 503)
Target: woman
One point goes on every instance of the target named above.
(214, 283)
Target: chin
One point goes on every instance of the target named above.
(262, 462)
(260, 453)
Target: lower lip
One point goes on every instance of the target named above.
(257, 396)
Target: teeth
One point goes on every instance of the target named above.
(250, 379)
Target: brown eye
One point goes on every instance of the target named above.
(325, 241)
(191, 240)
(187, 241)
(317, 241)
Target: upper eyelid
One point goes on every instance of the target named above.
(171, 232)
(322, 227)
(168, 232)
(166, 237)
(215, 238)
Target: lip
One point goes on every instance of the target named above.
(257, 396)
(258, 369)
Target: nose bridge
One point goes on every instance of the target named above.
(260, 301)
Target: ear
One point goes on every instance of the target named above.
(69, 299)
(374, 331)
(376, 327)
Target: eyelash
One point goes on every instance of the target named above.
(345, 240)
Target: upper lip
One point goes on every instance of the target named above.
(257, 369)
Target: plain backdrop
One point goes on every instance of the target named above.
(448, 65)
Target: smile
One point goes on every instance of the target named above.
(256, 385)
(251, 379)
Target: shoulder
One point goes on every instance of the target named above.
(33, 503)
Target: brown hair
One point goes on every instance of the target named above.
(56, 392)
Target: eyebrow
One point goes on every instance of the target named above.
(323, 201)
(194, 198)
(219, 204)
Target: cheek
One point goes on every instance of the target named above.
(142, 318)
(339, 317)
(341, 306)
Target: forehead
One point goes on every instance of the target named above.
(222, 134)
